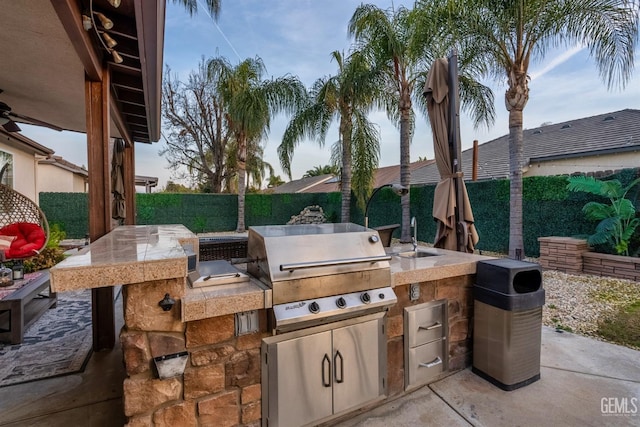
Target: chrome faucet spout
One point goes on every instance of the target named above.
(414, 238)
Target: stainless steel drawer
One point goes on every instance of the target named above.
(425, 322)
(426, 362)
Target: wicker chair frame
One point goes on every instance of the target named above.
(16, 207)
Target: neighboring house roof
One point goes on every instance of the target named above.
(301, 185)
(143, 181)
(391, 174)
(615, 132)
(63, 164)
(20, 142)
(331, 183)
(383, 176)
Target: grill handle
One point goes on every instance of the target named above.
(332, 262)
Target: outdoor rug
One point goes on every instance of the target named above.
(59, 343)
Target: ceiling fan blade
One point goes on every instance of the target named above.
(31, 121)
(11, 126)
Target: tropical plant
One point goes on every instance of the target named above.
(508, 35)
(348, 96)
(249, 104)
(618, 220)
(403, 46)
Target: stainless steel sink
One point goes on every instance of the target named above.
(416, 254)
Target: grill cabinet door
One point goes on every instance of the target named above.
(300, 376)
(356, 363)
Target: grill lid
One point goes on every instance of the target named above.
(294, 252)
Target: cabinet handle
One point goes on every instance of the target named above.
(335, 365)
(434, 362)
(428, 328)
(325, 382)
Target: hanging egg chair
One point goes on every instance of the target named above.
(24, 230)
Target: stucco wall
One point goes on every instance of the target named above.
(57, 180)
(605, 162)
(24, 172)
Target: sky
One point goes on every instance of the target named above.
(296, 37)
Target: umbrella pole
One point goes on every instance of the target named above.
(454, 145)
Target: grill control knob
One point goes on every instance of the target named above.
(365, 298)
(314, 307)
(341, 303)
(374, 238)
(381, 295)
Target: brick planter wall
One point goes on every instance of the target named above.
(575, 257)
(622, 267)
(562, 253)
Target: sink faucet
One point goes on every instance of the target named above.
(414, 238)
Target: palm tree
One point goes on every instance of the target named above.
(274, 181)
(403, 49)
(507, 36)
(322, 170)
(249, 103)
(347, 96)
(213, 7)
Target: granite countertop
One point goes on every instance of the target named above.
(444, 264)
(128, 254)
(136, 254)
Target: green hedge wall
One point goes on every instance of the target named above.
(70, 211)
(549, 210)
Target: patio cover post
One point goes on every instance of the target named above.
(97, 107)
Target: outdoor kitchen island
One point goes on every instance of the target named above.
(220, 331)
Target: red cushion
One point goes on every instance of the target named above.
(30, 238)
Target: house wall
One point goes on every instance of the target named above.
(52, 179)
(24, 172)
(607, 162)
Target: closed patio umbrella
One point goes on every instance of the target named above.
(118, 209)
(451, 204)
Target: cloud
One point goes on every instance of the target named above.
(556, 61)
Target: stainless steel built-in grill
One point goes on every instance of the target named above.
(320, 273)
(330, 289)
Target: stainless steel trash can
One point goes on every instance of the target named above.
(507, 326)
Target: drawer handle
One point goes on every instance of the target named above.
(428, 328)
(434, 362)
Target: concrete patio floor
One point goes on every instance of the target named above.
(582, 380)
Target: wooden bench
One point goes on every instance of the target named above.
(21, 308)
